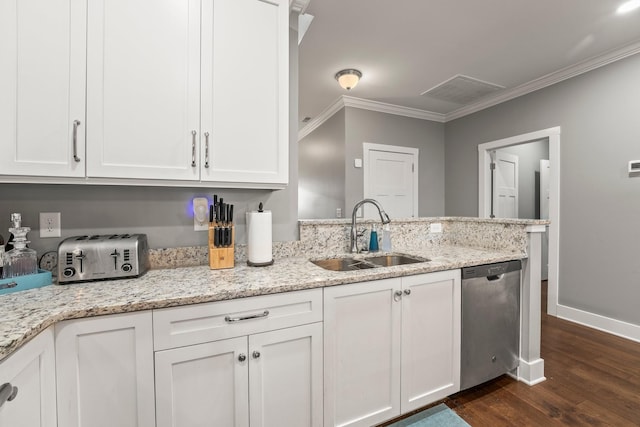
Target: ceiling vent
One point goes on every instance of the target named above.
(462, 90)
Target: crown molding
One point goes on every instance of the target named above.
(383, 107)
(505, 95)
(365, 104)
(321, 118)
(548, 80)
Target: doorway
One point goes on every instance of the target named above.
(552, 135)
(391, 178)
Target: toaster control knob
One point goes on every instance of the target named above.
(127, 268)
(68, 272)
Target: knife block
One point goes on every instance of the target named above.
(220, 258)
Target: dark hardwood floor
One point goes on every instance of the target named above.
(593, 379)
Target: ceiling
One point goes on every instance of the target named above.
(406, 47)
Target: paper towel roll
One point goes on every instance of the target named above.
(259, 239)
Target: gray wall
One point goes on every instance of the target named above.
(380, 128)
(162, 213)
(321, 170)
(599, 202)
(529, 156)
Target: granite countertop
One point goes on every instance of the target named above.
(27, 313)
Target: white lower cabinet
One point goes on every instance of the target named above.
(104, 371)
(242, 362)
(28, 385)
(390, 346)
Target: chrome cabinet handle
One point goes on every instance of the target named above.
(256, 354)
(242, 357)
(206, 149)
(7, 393)
(8, 285)
(407, 291)
(397, 295)
(193, 148)
(230, 319)
(76, 123)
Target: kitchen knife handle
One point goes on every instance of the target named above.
(76, 123)
(206, 149)
(193, 148)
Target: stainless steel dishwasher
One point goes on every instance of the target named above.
(490, 322)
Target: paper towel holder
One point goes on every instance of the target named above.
(249, 234)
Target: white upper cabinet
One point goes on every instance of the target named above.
(183, 92)
(42, 87)
(143, 89)
(188, 90)
(245, 87)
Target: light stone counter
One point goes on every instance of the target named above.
(25, 314)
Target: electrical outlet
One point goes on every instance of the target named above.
(338, 212)
(435, 227)
(200, 214)
(50, 224)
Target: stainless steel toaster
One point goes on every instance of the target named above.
(110, 256)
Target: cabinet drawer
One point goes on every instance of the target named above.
(194, 324)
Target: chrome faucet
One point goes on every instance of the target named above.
(354, 233)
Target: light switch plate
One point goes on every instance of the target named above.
(200, 214)
(357, 163)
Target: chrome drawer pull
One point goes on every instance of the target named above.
(76, 123)
(230, 319)
(8, 285)
(7, 393)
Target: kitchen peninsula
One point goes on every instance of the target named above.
(463, 242)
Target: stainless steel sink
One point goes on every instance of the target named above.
(352, 264)
(342, 264)
(394, 259)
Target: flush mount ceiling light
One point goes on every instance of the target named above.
(628, 6)
(348, 78)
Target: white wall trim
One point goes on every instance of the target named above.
(531, 373)
(601, 323)
(503, 96)
(383, 107)
(484, 189)
(328, 112)
(365, 104)
(548, 80)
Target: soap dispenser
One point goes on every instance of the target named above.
(20, 260)
(373, 239)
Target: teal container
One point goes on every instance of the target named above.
(22, 283)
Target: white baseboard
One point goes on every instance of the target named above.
(531, 373)
(602, 323)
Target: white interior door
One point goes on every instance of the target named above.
(391, 178)
(545, 172)
(505, 185)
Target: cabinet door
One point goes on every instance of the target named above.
(105, 371)
(245, 86)
(203, 385)
(31, 370)
(143, 89)
(362, 353)
(285, 374)
(42, 82)
(430, 338)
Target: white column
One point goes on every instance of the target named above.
(531, 370)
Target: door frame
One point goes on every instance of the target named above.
(484, 191)
(368, 146)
